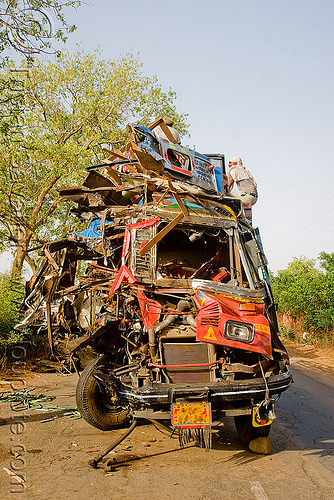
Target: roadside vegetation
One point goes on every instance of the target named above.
(11, 295)
(30, 28)
(304, 293)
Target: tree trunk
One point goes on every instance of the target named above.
(31, 263)
(17, 266)
(20, 256)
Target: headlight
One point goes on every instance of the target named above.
(242, 332)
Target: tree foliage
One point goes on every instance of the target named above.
(68, 110)
(306, 292)
(27, 25)
(11, 295)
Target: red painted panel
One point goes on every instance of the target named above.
(216, 310)
(150, 309)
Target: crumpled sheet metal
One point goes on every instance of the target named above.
(132, 185)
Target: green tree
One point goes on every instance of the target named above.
(26, 27)
(70, 109)
(296, 286)
(324, 319)
(307, 292)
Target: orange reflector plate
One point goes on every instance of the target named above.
(247, 307)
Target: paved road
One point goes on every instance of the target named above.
(305, 427)
(307, 411)
(149, 464)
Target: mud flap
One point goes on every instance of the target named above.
(263, 414)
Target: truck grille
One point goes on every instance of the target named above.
(184, 354)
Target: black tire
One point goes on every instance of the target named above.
(93, 404)
(246, 431)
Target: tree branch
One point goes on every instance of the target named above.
(31, 262)
(49, 211)
(41, 198)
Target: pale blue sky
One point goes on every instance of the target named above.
(256, 77)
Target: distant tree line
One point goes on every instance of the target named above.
(304, 292)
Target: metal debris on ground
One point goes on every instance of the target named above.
(23, 399)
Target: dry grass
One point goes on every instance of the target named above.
(293, 330)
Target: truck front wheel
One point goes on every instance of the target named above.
(93, 403)
(246, 431)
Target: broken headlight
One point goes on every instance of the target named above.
(242, 332)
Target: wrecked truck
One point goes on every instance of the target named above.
(175, 301)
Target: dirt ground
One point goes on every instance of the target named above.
(322, 355)
(306, 357)
(49, 453)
